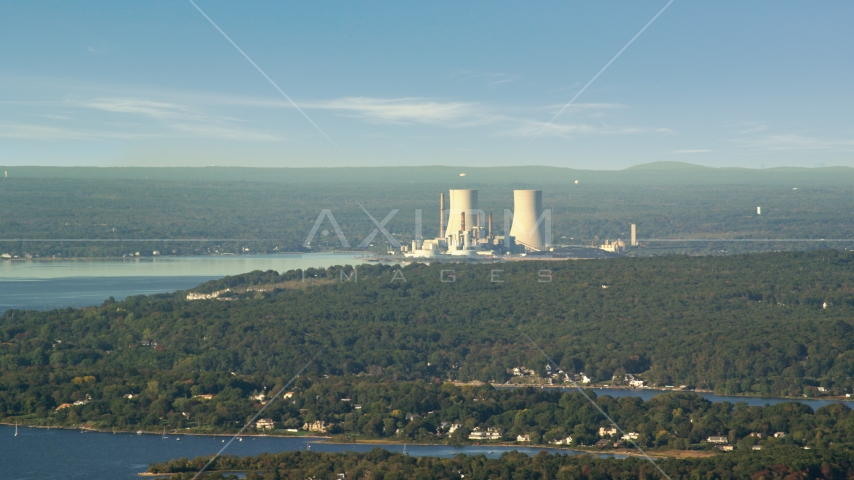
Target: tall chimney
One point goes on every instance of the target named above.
(477, 225)
(634, 235)
(463, 221)
(489, 225)
(441, 215)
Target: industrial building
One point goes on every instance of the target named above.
(469, 230)
(529, 227)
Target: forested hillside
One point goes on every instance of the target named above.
(789, 463)
(778, 323)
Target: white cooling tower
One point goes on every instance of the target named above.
(527, 208)
(461, 201)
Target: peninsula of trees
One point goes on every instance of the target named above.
(769, 324)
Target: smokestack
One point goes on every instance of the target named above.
(463, 221)
(476, 225)
(634, 235)
(442, 215)
(489, 225)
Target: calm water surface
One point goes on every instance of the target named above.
(47, 284)
(752, 401)
(38, 453)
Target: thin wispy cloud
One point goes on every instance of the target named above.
(148, 108)
(128, 118)
(411, 110)
(224, 133)
(793, 141)
(585, 106)
(490, 78)
(690, 151)
(532, 129)
(139, 113)
(455, 114)
(752, 127)
(48, 133)
(181, 119)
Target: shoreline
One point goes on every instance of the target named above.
(657, 389)
(156, 257)
(379, 442)
(168, 432)
(577, 450)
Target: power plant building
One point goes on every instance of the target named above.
(467, 236)
(529, 226)
(463, 204)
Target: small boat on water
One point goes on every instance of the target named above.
(16, 429)
(164, 437)
(177, 439)
(139, 432)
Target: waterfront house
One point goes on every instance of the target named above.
(488, 434)
(265, 424)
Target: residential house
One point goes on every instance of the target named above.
(318, 426)
(488, 434)
(265, 424)
(717, 439)
(523, 438)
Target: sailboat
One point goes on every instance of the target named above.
(16, 429)
(164, 437)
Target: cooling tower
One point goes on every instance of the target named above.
(527, 208)
(462, 201)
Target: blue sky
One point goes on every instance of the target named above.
(152, 83)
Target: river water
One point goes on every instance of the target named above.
(751, 401)
(38, 453)
(47, 284)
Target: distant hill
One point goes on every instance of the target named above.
(657, 173)
(680, 166)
